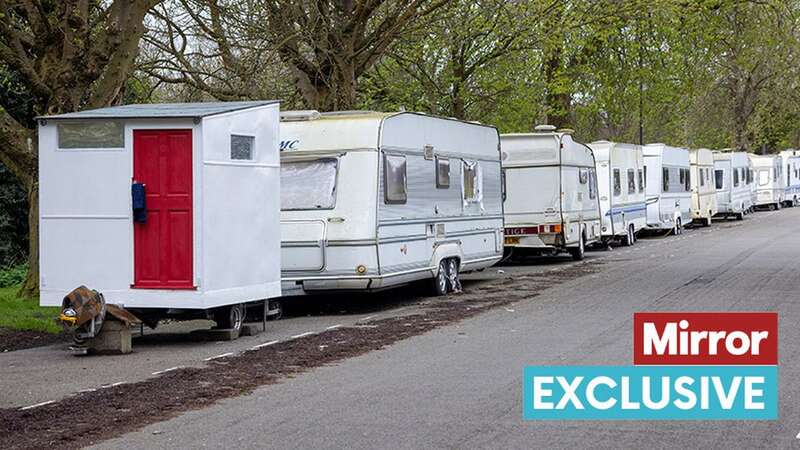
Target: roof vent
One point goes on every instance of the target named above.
(299, 116)
(544, 128)
(566, 131)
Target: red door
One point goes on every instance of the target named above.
(162, 246)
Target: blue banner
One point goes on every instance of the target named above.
(650, 393)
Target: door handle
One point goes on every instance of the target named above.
(139, 202)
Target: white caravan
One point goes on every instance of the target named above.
(668, 182)
(374, 200)
(704, 195)
(769, 183)
(791, 177)
(551, 193)
(620, 188)
(732, 172)
(167, 209)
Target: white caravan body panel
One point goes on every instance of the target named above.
(551, 191)
(791, 176)
(620, 187)
(768, 172)
(342, 225)
(731, 175)
(669, 194)
(704, 195)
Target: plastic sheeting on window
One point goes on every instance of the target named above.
(308, 184)
(472, 186)
(85, 135)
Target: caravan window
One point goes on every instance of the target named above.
(442, 172)
(665, 179)
(702, 177)
(592, 184)
(617, 183)
(395, 181)
(763, 177)
(308, 184)
(472, 181)
(106, 134)
(631, 182)
(736, 178)
(718, 177)
(583, 176)
(687, 184)
(641, 180)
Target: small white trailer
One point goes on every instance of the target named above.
(621, 190)
(791, 177)
(551, 194)
(167, 209)
(375, 200)
(769, 182)
(733, 180)
(669, 193)
(704, 195)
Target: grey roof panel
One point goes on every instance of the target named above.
(162, 110)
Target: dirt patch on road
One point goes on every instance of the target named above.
(11, 340)
(90, 417)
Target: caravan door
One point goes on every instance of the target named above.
(162, 241)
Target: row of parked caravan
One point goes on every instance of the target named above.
(563, 195)
(375, 200)
(176, 210)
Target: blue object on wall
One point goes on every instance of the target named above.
(139, 198)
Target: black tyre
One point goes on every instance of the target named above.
(627, 241)
(740, 216)
(579, 252)
(230, 317)
(439, 282)
(453, 281)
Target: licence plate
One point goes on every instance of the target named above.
(511, 240)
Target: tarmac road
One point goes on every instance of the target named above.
(32, 376)
(460, 386)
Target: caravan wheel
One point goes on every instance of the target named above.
(629, 237)
(453, 282)
(230, 317)
(439, 285)
(579, 252)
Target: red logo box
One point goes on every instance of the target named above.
(707, 338)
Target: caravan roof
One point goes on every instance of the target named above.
(162, 110)
(544, 148)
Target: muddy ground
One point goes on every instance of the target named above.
(90, 417)
(11, 340)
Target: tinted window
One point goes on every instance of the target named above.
(592, 184)
(394, 179)
(665, 179)
(617, 183)
(442, 172)
(718, 177)
(631, 182)
(641, 180)
(736, 178)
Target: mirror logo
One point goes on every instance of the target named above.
(687, 366)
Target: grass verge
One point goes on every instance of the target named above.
(25, 314)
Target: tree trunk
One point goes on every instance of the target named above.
(30, 288)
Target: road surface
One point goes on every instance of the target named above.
(460, 386)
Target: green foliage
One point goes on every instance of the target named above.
(12, 276)
(25, 313)
(13, 220)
